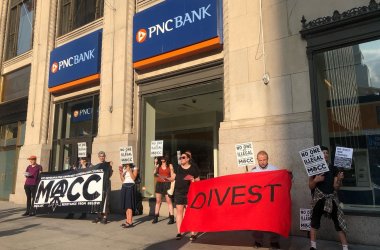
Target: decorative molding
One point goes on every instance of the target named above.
(339, 18)
(83, 30)
(17, 62)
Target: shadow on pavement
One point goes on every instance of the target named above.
(11, 211)
(17, 231)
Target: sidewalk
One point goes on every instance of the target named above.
(55, 232)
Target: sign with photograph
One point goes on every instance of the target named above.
(305, 218)
(244, 154)
(156, 148)
(126, 155)
(82, 149)
(343, 157)
(314, 160)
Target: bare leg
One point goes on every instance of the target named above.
(129, 216)
(170, 204)
(158, 204)
(342, 237)
(179, 217)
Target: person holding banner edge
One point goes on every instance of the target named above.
(183, 175)
(82, 164)
(325, 201)
(163, 171)
(32, 174)
(263, 165)
(107, 168)
(128, 174)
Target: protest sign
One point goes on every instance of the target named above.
(314, 161)
(126, 155)
(82, 149)
(251, 201)
(156, 148)
(305, 218)
(71, 191)
(343, 157)
(244, 154)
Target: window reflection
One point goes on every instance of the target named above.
(349, 103)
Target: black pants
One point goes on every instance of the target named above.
(318, 212)
(30, 191)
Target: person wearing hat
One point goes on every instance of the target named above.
(32, 174)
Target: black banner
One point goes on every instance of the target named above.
(72, 191)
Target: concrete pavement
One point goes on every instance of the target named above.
(55, 232)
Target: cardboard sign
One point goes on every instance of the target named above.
(314, 160)
(343, 157)
(156, 148)
(82, 149)
(305, 218)
(244, 154)
(126, 155)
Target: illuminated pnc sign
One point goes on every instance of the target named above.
(76, 60)
(176, 27)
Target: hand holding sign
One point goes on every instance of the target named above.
(188, 177)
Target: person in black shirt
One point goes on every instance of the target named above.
(324, 189)
(184, 175)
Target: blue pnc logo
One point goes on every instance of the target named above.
(75, 60)
(175, 24)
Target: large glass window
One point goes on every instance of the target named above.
(76, 13)
(75, 121)
(20, 27)
(16, 85)
(185, 119)
(348, 83)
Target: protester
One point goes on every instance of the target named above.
(325, 201)
(107, 169)
(32, 174)
(263, 165)
(128, 174)
(163, 171)
(183, 176)
(83, 164)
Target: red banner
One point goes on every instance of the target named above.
(251, 201)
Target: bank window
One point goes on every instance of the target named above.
(76, 13)
(20, 27)
(348, 85)
(15, 85)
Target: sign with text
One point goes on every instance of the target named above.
(244, 154)
(71, 191)
(156, 148)
(126, 155)
(251, 201)
(305, 218)
(343, 157)
(76, 59)
(82, 149)
(314, 161)
(174, 24)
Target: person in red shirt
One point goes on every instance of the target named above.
(32, 174)
(163, 171)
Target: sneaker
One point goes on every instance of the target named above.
(275, 245)
(178, 236)
(97, 220)
(312, 248)
(25, 214)
(104, 221)
(257, 244)
(32, 214)
(193, 237)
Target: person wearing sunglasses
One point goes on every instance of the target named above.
(184, 175)
(163, 171)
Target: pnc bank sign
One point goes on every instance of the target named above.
(75, 60)
(175, 24)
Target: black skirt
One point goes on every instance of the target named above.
(162, 187)
(128, 196)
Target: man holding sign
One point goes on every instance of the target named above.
(324, 189)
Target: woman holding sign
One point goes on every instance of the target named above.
(183, 176)
(163, 171)
(128, 174)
